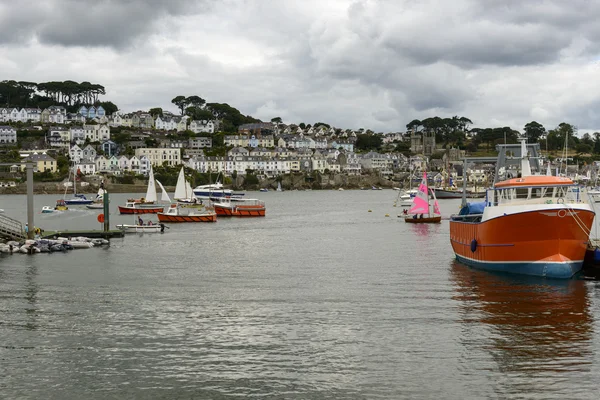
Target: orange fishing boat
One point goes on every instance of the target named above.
(240, 208)
(176, 213)
(532, 225)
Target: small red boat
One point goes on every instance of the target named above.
(134, 207)
(240, 208)
(176, 213)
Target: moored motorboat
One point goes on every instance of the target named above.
(177, 213)
(61, 205)
(140, 208)
(240, 208)
(135, 228)
(145, 205)
(95, 206)
(533, 225)
(47, 210)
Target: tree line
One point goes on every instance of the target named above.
(198, 109)
(69, 94)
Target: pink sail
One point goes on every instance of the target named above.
(436, 208)
(421, 199)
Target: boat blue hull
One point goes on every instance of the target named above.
(548, 270)
(76, 202)
(216, 194)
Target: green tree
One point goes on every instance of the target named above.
(534, 131)
(195, 101)
(109, 107)
(180, 102)
(276, 120)
(156, 112)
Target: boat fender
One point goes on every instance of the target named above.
(473, 245)
(560, 200)
(548, 201)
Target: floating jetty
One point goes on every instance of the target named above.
(94, 234)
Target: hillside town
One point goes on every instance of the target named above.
(267, 149)
(128, 143)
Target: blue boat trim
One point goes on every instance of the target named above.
(559, 270)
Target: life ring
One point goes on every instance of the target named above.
(563, 215)
(560, 200)
(473, 245)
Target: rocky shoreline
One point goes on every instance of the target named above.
(290, 182)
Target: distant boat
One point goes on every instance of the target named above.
(177, 213)
(263, 190)
(240, 208)
(183, 190)
(154, 228)
(47, 210)
(145, 205)
(77, 199)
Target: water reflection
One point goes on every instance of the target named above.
(31, 292)
(528, 328)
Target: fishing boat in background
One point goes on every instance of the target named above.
(420, 212)
(263, 190)
(215, 191)
(47, 210)
(95, 206)
(61, 205)
(137, 227)
(532, 224)
(177, 213)
(145, 205)
(240, 208)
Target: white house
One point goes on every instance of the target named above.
(75, 153)
(202, 126)
(102, 164)
(59, 136)
(54, 115)
(165, 123)
(115, 120)
(97, 133)
(86, 167)
(8, 134)
(157, 156)
(77, 135)
(144, 165)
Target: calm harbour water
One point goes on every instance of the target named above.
(319, 300)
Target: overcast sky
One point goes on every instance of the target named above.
(374, 64)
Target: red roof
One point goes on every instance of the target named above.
(536, 180)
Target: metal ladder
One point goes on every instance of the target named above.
(11, 228)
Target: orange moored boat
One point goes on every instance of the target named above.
(240, 208)
(176, 213)
(533, 225)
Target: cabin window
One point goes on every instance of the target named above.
(522, 193)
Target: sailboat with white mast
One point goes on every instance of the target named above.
(77, 199)
(145, 205)
(183, 190)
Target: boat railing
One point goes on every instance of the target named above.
(466, 217)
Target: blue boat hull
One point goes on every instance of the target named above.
(76, 202)
(564, 270)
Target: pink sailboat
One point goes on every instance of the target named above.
(420, 212)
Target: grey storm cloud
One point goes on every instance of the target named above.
(352, 63)
(101, 23)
